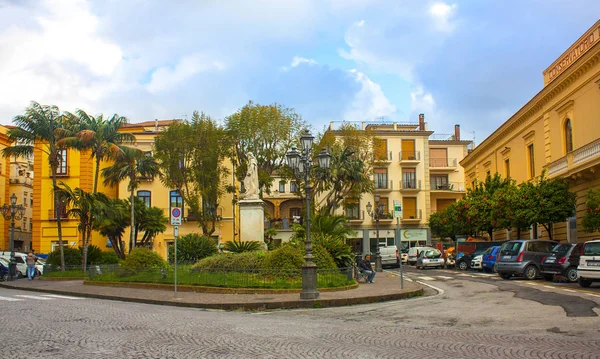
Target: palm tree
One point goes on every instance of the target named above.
(100, 136)
(134, 165)
(111, 222)
(42, 127)
(149, 220)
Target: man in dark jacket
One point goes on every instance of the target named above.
(365, 266)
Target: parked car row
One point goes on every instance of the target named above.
(20, 259)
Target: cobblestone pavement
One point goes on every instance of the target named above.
(470, 319)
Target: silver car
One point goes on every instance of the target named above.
(430, 258)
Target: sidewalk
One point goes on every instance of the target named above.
(385, 288)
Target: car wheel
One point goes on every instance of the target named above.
(571, 274)
(495, 268)
(531, 272)
(462, 265)
(585, 283)
(5, 277)
(505, 276)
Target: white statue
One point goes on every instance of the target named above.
(251, 179)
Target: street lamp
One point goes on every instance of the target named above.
(301, 163)
(376, 214)
(12, 212)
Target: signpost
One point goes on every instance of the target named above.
(400, 269)
(176, 222)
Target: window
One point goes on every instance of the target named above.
(383, 202)
(24, 223)
(293, 187)
(380, 178)
(175, 200)
(380, 149)
(62, 207)
(409, 207)
(145, 196)
(25, 199)
(531, 160)
(568, 136)
(31, 200)
(507, 167)
(282, 187)
(352, 208)
(409, 178)
(438, 157)
(295, 212)
(439, 182)
(408, 150)
(62, 163)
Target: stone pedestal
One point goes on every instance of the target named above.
(252, 220)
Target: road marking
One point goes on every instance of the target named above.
(408, 279)
(549, 286)
(426, 278)
(32, 297)
(593, 295)
(530, 283)
(570, 290)
(9, 299)
(60, 296)
(444, 277)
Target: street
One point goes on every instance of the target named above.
(476, 316)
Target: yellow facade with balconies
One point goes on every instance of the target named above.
(556, 131)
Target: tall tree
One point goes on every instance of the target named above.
(591, 218)
(266, 131)
(149, 220)
(112, 221)
(190, 155)
(133, 165)
(42, 127)
(482, 203)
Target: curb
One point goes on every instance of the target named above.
(298, 304)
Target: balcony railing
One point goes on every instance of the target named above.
(450, 186)
(577, 157)
(411, 185)
(282, 223)
(409, 156)
(52, 215)
(443, 162)
(416, 215)
(354, 214)
(387, 157)
(384, 184)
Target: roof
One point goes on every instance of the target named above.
(152, 123)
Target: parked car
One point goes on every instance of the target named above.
(523, 257)
(389, 256)
(430, 258)
(488, 260)
(20, 259)
(476, 262)
(563, 260)
(404, 255)
(463, 261)
(413, 253)
(3, 269)
(588, 270)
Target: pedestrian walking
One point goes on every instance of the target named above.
(30, 259)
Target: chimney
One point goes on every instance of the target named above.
(421, 122)
(457, 132)
(156, 125)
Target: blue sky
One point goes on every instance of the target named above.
(472, 63)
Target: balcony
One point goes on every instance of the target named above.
(450, 186)
(27, 181)
(282, 223)
(409, 158)
(576, 160)
(443, 164)
(383, 159)
(354, 215)
(383, 185)
(415, 216)
(414, 185)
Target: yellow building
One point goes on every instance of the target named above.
(21, 185)
(4, 187)
(557, 131)
(418, 171)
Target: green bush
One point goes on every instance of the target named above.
(72, 257)
(286, 258)
(240, 247)
(192, 247)
(94, 254)
(322, 258)
(338, 249)
(232, 261)
(109, 258)
(140, 259)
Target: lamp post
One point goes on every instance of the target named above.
(375, 213)
(301, 163)
(12, 212)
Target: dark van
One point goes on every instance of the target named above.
(523, 257)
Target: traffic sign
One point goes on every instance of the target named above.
(397, 209)
(176, 216)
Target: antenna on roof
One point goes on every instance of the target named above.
(473, 132)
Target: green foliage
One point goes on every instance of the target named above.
(94, 254)
(483, 200)
(72, 257)
(192, 247)
(322, 258)
(284, 259)
(591, 218)
(109, 258)
(232, 261)
(239, 246)
(112, 221)
(140, 259)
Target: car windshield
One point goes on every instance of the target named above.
(433, 253)
(591, 249)
(3, 261)
(511, 248)
(561, 249)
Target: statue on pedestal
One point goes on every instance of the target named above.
(251, 179)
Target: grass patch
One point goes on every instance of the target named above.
(72, 273)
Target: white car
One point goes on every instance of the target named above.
(476, 262)
(588, 270)
(430, 258)
(413, 253)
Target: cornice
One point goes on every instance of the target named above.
(536, 103)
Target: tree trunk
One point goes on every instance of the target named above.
(96, 175)
(58, 213)
(132, 228)
(84, 248)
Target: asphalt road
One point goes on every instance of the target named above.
(472, 316)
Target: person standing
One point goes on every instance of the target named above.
(365, 266)
(30, 260)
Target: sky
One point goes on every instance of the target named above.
(472, 62)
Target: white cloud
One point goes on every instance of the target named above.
(369, 102)
(421, 101)
(442, 14)
(300, 60)
(165, 78)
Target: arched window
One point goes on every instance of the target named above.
(568, 136)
